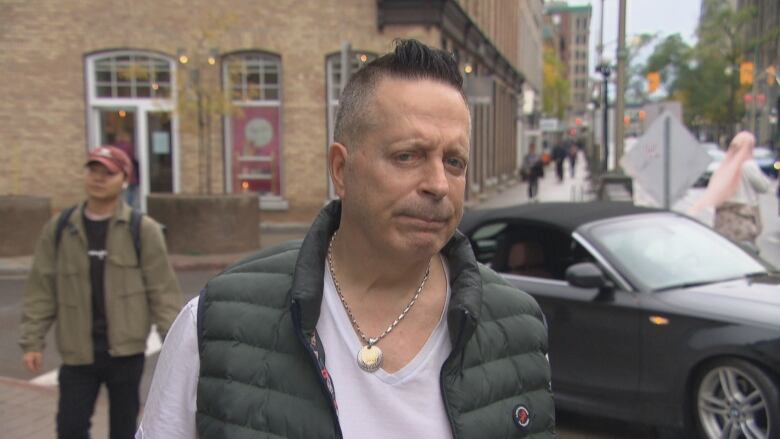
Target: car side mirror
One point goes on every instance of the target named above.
(586, 275)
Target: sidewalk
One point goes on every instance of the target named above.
(269, 235)
(575, 188)
(28, 411)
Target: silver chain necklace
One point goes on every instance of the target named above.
(369, 357)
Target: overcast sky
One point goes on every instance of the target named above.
(666, 17)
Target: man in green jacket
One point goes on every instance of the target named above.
(380, 324)
(104, 284)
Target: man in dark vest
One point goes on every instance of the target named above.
(101, 273)
(380, 323)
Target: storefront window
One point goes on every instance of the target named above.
(132, 76)
(333, 84)
(253, 82)
(130, 105)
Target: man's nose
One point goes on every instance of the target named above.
(435, 183)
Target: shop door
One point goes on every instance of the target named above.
(119, 127)
(160, 151)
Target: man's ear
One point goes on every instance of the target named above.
(337, 162)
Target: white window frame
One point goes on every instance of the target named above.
(141, 106)
(332, 100)
(266, 202)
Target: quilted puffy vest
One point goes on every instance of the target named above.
(261, 368)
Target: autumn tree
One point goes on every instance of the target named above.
(201, 97)
(555, 91)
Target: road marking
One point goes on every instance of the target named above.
(49, 379)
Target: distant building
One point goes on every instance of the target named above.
(570, 28)
(80, 74)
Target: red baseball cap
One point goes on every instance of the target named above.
(112, 158)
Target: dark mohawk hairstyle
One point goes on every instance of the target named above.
(411, 59)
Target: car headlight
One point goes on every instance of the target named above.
(777, 165)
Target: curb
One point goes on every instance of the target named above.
(14, 272)
(186, 265)
(202, 265)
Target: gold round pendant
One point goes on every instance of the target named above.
(369, 358)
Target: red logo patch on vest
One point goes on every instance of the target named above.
(522, 417)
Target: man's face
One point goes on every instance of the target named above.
(101, 184)
(404, 183)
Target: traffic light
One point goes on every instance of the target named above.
(653, 81)
(746, 73)
(771, 71)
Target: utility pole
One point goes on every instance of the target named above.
(603, 68)
(622, 56)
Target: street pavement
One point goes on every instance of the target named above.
(28, 410)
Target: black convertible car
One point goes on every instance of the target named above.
(653, 317)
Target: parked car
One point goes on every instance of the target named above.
(767, 160)
(764, 157)
(652, 316)
(717, 156)
(710, 146)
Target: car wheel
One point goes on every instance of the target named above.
(735, 399)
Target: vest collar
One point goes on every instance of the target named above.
(307, 285)
(308, 278)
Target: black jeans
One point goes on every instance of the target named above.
(533, 187)
(79, 386)
(559, 169)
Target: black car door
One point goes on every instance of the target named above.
(593, 335)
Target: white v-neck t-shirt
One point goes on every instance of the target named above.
(404, 404)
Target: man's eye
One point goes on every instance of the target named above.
(456, 163)
(404, 157)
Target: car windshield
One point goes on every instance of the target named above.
(664, 252)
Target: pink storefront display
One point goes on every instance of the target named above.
(255, 151)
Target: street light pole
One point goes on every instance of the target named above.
(605, 71)
(603, 68)
(622, 54)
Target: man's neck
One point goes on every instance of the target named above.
(100, 209)
(368, 270)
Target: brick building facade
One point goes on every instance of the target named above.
(87, 72)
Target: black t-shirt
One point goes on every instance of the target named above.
(96, 241)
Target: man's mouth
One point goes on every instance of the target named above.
(424, 222)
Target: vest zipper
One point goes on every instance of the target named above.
(456, 348)
(296, 312)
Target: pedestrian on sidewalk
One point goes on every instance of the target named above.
(559, 154)
(533, 169)
(574, 150)
(381, 323)
(101, 273)
(733, 192)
